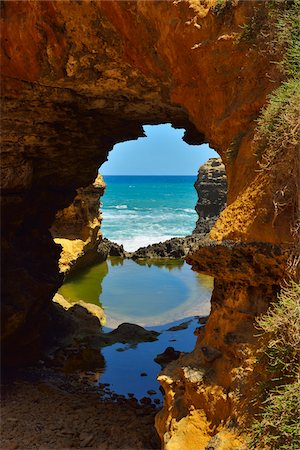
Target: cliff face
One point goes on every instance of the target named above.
(77, 228)
(79, 77)
(211, 187)
(211, 392)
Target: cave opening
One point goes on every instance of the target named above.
(149, 196)
(80, 77)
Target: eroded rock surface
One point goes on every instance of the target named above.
(211, 187)
(206, 390)
(77, 228)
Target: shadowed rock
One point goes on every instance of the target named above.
(170, 354)
(129, 333)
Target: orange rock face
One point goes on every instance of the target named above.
(78, 77)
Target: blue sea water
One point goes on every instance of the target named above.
(141, 210)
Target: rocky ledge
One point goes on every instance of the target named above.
(174, 248)
(77, 228)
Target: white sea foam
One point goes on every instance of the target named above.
(118, 216)
(121, 206)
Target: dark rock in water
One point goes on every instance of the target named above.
(175, 248)
(146, 401)
(181, 326)
(211, 187)
(170, 354)
(203, 320)
(84, 359)
(151, 392)
(130, 333)
(108, 248)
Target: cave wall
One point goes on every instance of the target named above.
(78, 77)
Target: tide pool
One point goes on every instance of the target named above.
(145, 293)
(154, 294)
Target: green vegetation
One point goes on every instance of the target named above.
(277, 425)
(277, 134)
(221, 6)
(251, 31)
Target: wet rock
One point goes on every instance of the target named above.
(146, 401)
(86, 359)
(151, 392)
(108, 248)
(202, 320)
(181, 326)
(170, 354)
(130, 333)
(173, 248)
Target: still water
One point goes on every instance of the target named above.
(154, 294)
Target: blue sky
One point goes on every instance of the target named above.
(162, 152)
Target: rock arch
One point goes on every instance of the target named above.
(79, 77)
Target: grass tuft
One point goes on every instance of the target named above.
(277, 424)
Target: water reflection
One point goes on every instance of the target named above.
(148, 293)
(85, 285)
(155, 294)
(169, 264)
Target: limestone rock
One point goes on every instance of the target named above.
(85, 307)
(77, 228)
(211, 187)
(108, 248)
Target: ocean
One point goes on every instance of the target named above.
(142, 210)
